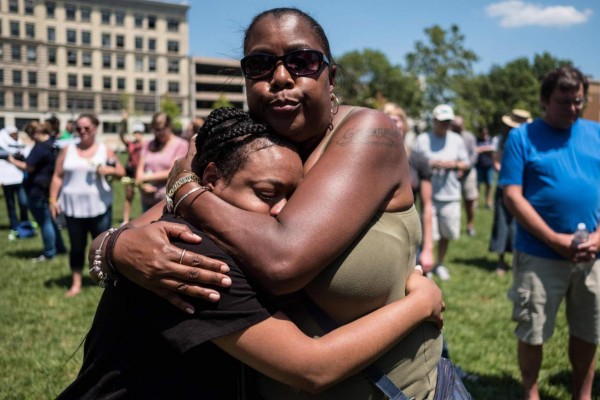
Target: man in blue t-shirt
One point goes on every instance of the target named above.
(551, 178)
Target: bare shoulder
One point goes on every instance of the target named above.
(365, 126)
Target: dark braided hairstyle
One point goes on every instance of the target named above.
(228, 137)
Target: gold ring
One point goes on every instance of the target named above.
(182, 255)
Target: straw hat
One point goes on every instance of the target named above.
(516, 117)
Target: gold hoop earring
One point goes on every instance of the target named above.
(335, 104)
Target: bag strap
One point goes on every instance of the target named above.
(374, 374)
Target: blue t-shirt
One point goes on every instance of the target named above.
(559, 171)
(42, 158)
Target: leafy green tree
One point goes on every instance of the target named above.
(222, 102)
(443, 62)
(172, 109)
(367, 78)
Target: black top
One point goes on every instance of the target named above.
(42, 158)
(142, 347)
(419, 169)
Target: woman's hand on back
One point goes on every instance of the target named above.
(167, 270)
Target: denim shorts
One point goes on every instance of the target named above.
(539, 287)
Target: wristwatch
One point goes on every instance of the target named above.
(178, 184)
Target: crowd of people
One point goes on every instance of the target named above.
(303, 232)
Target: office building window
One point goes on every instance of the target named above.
(2, 103)
(17, 78)
(71, 36)
(106, 60)
(33, 100)
(139, 64)
(172, 25)
(32, 78)
(173, 66)
(70, 11)
(87, 81)
(51, 55)
(139, 43)
(13, 6)
(51, 34)
(72, 81)
(120, 61)
(31, 53)
(52, 79)
(53, 102)
(106, 40)
(138, 20)
(152, 45)
(18, 99)
(30, 31)
(120, 40)
(29, 6)
(119, 18)
(105, 17)
(15, 29)
(86, 38)
(152, 86)
(1, 76)
(121, 83)
(152, 64)
(85, 13)
(15, 52)
(50, 9)
(107, 82)
(173, 87)
(86, 59)
(72, 57)
(173, 46)
(151, 22)
(139, 85)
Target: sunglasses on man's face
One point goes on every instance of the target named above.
(298, 63)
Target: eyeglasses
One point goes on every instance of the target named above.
(83, 128)
(302, 62)
(578, 102)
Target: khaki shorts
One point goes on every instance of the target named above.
(445, 220)
(539, 286)
(469, 185)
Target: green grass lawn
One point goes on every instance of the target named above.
(42, 332)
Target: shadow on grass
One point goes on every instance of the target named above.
(480, 262)
(564, 379)
(500, 387)
(65, 282)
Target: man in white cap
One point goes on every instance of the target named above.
(448, 158)
(551, 178)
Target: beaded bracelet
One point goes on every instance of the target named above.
(193, 190)
(110, 248)
(96, 272)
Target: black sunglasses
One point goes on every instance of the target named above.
(298, 63)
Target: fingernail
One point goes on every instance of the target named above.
(224, 268)
(213, 297)
(189, 310)
(226, 281)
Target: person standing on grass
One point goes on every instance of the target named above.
(485, 163)
(470, 192)
(551, 178)
(134, 150)
(448, 158)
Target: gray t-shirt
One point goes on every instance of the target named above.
(450, 147)
(471, 145)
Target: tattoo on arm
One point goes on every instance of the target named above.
(377, 136)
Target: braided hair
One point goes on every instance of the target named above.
(228, 137)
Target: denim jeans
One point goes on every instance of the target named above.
(10, 192)
(78, 229)
(53, 241)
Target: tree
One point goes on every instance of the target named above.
(442, 62)
(172, 109)
(221, 102)
(367, 78)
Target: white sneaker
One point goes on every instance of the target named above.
(442, 273)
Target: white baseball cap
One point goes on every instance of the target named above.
(138, 128)
(443, 112)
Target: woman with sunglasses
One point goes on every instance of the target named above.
(348, 235)
(79, 189)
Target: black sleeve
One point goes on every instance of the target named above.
(240, 305)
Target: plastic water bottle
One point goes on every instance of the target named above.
(581, 235)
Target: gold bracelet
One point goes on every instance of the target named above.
(176, 186)
(174, 176)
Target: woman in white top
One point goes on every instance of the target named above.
(85, 194)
